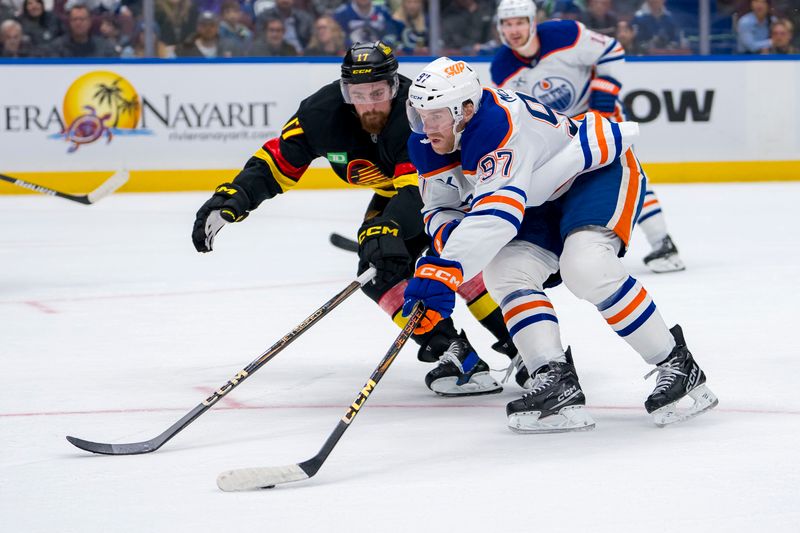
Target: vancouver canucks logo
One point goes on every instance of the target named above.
(366, 173)
(555, 92)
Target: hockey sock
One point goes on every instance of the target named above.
(392, 303)
(652, 220)
(632, 314)
(593, 272)
(533, 325)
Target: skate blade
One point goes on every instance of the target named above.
(662, 265)
(480, 383)
(574, 418)
(704, 400)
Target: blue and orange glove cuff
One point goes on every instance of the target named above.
(444, 271)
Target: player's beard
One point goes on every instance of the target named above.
(374, 121)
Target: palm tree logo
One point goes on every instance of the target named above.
(112, 96)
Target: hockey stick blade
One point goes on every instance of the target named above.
(102, 448)
(260, 478)
(343, 243)
(267, 477)
(107, 187)
(147, 446)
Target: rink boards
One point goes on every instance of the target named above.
(190, 125)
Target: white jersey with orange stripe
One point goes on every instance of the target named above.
(572, 60)
(515, 153)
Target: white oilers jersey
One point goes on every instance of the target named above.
(570, 57)
(515, 153)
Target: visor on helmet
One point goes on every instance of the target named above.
(369, 93)
(426, 121)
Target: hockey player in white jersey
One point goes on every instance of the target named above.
(520, 192)
(572, 69)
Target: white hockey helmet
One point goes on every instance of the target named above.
(509, 9)
(443, 84)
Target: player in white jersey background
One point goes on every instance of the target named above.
(519, 192)
(573, 70)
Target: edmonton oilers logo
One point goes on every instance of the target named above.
(99, 105)
(554, 92)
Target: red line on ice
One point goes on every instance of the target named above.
(228, 401)
(39, 306)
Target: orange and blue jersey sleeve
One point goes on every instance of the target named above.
(558, 36)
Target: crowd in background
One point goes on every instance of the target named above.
(258, 28)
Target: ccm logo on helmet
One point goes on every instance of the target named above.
(362, 71)
(439, 274)
(455, 68)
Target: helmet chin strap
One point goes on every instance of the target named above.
(457, 140)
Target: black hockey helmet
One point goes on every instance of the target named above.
(368, 63)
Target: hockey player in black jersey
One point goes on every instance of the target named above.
(359, 125)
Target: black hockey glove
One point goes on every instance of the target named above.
(381, 244)
(229, 203)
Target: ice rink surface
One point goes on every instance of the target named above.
(112, 327)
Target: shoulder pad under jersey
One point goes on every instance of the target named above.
(557, 35)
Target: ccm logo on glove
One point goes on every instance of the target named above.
(372, 231)
(449, 276)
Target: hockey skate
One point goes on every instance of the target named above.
(664, 258)
(461, 372)
(679, 376)
(554, 404)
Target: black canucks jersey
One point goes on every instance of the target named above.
(325, 126)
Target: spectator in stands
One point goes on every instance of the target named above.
(136, 47)
(655, 27)
(206, 42)
(363, 21)
(600, 18)
(39, 25)
(781, 32)
(298, 24)
(232, 25)
(414, 36)
(627, 38)
(78, 41)
(327, 40)
(177, 20)
(752, 29)
(466, 25)
(272, 42)
(789, 10)
(110, 31)
(12, 41)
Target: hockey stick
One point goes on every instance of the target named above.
(342, 242)
(269, 476)
(107, 187)
(155, 443)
